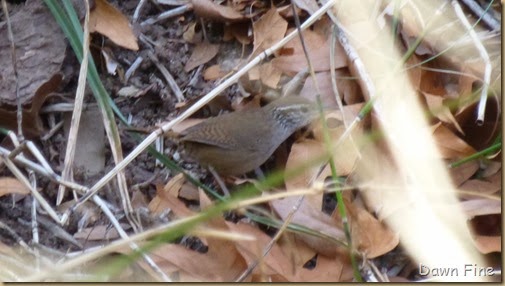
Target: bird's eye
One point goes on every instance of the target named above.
(304, 109)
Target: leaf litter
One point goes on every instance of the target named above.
(170, 197)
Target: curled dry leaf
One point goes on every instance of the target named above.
(202, 53)
(110, 22)
(213, 11)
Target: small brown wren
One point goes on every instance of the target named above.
(238, 142)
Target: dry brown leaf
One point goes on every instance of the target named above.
(310, 215)
(213, 11)
(275, 263)
(450, 145)
(213, 72)
(463, 172)
(270, 76)
(222, 262)
(138, 200)
(12, 186)
(301, 153)
(487, 244)
(166, 199)
(202, 53)
(440, 111)
(280, 263)
(488, 186)
(369, 235)
(292, 58)
(110, 22)
(268, 30)
(190, 35)
(98, 232)
(189, 192)
(293, 247)
(347, 152)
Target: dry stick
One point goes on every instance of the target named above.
(125, 236)
(168, 77)
(132, 68)
(42, 171)
(204, 100)
(19, 110)
(34, 224)
(137, 10)
(68, 165)
(169, 14)
(485, 57)
(487, 18)
(334, 74)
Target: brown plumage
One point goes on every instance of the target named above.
(238, 142)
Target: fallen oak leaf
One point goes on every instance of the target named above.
(370, 236)
(110, 22)
(202, 53)
(212, 11)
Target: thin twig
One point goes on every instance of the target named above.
(133, 68)
(169, 14)
(276, 238)
(137, 11)
(68, 165)
(168, 77)
(486, 17)
(334, 75)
